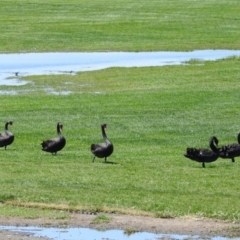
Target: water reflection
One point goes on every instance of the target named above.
(14, 66)
(91, 234)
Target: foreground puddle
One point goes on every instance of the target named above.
(91, 234)
(15, 66)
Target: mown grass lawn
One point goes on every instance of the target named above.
(73, 25)
(153, 114)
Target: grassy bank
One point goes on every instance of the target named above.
(53, 25)
(152, 113)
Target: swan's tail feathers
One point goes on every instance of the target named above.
(44, 145)
(93, 147)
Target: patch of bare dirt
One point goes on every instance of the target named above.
(186, 225)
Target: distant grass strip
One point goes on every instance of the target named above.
(53, 25)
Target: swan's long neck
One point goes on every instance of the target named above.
(239, 138)
(214, 141)
(59, 130)
(105, 136)
(6, 126)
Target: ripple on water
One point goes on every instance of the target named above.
(92, 234)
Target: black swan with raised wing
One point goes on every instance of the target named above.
(231, 150)
(203, 155)
(6, 137)
(102, 150)
(54, 145)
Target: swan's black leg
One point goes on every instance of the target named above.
(5, 147)
(93, 158)
(233, 160)
(203, 164)
(105, 159)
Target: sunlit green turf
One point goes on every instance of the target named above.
(94, 25)
(153, 114)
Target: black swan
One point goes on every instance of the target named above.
(204, 155)
(6, 138)
(55, 144)
(102, 150)
(231, 150)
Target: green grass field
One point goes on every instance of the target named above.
(153, 113)
(126, 25)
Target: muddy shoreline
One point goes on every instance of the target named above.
(184, 225)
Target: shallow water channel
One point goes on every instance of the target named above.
(91, 234)
(15, 66)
